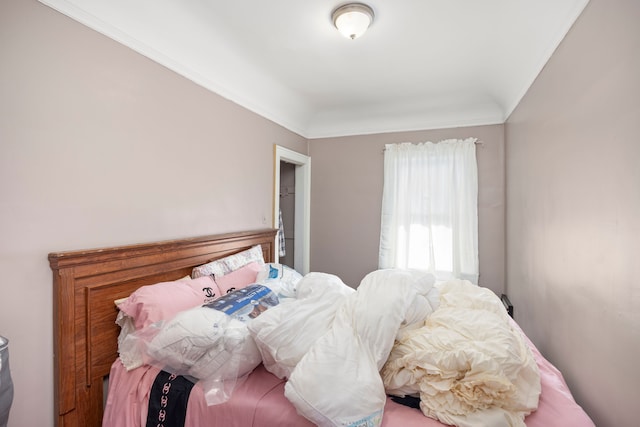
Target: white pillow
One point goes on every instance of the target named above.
(203, 342)
(226, 265)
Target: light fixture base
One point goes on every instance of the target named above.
(352, 19)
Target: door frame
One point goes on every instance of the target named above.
(302, 229)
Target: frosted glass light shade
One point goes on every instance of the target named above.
(352, 19)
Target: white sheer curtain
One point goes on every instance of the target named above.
(430, 208)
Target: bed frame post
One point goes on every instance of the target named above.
(64, 333)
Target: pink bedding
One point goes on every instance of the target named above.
(259, 401)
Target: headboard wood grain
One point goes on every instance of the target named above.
(87, 282)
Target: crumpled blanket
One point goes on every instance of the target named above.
(334, 378)
(467, 363)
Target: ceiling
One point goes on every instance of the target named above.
(423, 64)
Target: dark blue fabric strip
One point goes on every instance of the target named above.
(168, 400)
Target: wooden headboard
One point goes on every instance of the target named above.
(85, 285)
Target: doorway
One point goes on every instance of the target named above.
(292, 176)
(286, 251)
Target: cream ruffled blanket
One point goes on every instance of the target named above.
(468, 364)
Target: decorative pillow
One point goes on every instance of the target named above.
(226, 265)
(152, 303)
(239, 278)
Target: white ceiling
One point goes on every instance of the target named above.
(423, 64)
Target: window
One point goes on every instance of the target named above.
(430, 208)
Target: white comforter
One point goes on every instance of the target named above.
(467, 363)
(333, 362)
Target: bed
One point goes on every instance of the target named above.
(86, 284)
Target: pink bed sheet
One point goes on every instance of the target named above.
(259, 402)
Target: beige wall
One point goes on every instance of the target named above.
(101, 146)
(346, 197)
(573, 211)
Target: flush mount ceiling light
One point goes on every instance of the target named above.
(352, 19)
